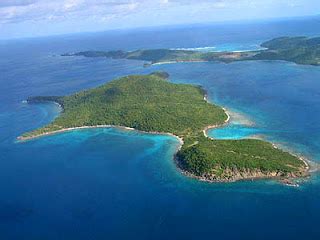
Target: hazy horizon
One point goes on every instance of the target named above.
(37, 18)
(168, 26)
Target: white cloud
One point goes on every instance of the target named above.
(11, 3)
(107, 14)
(69, 4)
(16, 11)
(35, 10)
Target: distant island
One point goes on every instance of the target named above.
(300, 50)
(151, 103)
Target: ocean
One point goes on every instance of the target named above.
(119, 184)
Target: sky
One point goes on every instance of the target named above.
(33, 18)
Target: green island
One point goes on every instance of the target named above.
(300, 50)
(151, 103)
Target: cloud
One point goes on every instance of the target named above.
(15, 3)
(14, 11)
(88, 15)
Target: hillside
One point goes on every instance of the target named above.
(151, 103)
(300, 50)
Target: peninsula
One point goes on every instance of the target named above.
(300, 50)
(151, 103)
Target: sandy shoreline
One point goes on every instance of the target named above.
(227, 121)
(286, 181)
(22, 138)
(182, 61)
(307, 163)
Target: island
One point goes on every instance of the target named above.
(300, 50)
(151, 103)
(160, 56)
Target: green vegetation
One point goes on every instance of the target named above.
(210, 156)
(301, 50)
(150, 103)
(167, 55)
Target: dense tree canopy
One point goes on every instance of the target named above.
(151, 103)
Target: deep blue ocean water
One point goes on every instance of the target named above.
(116, 184)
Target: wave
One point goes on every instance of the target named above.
(224, 48)
(208, 49)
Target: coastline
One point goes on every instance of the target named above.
(308, 164)
(248, 122)
(255, 175)
(289, 181)
(176, 61)
(231, 61)
(236, 175)
(226, 122)
(22, 138)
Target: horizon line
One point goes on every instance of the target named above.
(158, 27)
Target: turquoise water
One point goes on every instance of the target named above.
(234, 131)
(280, 98)
(115, 184)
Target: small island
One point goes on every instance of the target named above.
(300, 50)
(151, 103)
